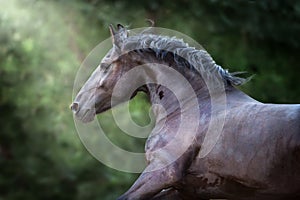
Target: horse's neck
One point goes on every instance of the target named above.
(168, 105)
(168, 109)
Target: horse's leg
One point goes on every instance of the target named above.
(173, 194)
(151, 183)
(169, 194)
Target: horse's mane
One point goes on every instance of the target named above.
(183, 55)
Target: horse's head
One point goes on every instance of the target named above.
(95, 95)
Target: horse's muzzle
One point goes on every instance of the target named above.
(74, 107)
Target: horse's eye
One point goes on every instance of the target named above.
(105, 66)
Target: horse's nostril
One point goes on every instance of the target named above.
(74, 107)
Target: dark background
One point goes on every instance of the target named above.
(43, 42)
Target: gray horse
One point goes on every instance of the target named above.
(255, 154)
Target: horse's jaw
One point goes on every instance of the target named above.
(88, 115)
(87, 105)
(85, 115)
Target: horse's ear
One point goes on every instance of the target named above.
(112, 33)
(118, 36)
(122, 32)
(112, 30)
(120, 26)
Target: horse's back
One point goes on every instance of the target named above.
(284, 174)
(258, 150)
(268, 146)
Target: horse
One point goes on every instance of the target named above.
(254, 155)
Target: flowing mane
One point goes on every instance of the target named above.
(183, 55)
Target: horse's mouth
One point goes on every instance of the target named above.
(87, 116)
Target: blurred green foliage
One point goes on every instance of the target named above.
(43, 42)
